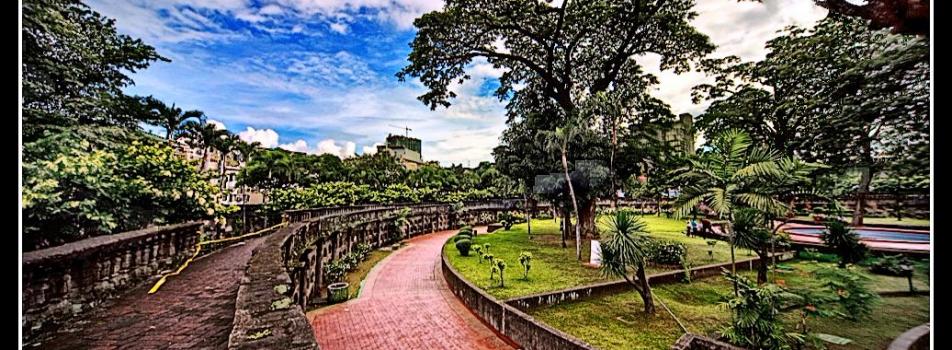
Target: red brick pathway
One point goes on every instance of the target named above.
(404, 304)
(193, 310)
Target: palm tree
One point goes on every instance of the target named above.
(558, 140)
(625, 249)
(225, 145)
(750, 233)
(729, 176)
(202, 135)
(171, 118)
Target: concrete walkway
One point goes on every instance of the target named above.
(404, 304)
(193, 310)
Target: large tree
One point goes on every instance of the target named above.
(555, 56)
(75, 65)
(839, 93)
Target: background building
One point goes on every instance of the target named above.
(407, 150)
(681, 135)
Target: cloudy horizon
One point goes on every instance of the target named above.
(318, 75)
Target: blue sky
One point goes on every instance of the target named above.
(318, 75)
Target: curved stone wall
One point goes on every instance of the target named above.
(914, 339)
(507, 320)
(284, 275)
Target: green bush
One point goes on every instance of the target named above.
(466, 230)
(463, 246)
(844, 241)
(756, 322)
(813, 254)
(76, 191)
(334, 271)
(459, 237)
(666, 253)
(890, 265)
(850, 291)
(506, 224)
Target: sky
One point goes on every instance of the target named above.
(318, 75)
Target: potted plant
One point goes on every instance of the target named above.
(338, 292)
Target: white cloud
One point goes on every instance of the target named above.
(268, 138)
(343, 149)
(737, 28)
(339, 27)
(218, 125)
(370, 149)
(329, 146)
(297, 146)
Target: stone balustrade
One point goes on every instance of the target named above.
(66, 280)
(285, 274)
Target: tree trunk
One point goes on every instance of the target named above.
(645, 291)
(566, 224)
(611, 165)
(204, 159)
(865, 178)
(528, 206)
(762, 268)
(730, 231)
(578, 234)
(587, 218)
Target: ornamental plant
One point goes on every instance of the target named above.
(463, 246)
(501, 267)
(488, 257)
(479, 253)
(756, 322)
(525, 259)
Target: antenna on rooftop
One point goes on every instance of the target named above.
(408, 130)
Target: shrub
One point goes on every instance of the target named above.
(463, 246)
(506, 224)
(850, 291)
(334, 271)
(666, 253)
(466, 230)
(362, 250)
(756, 322)
(813, 254)
(76, 191)
(459, 237)
(844, 241)
(890, 265)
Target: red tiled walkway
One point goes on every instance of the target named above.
(193, 310)
(404, 304)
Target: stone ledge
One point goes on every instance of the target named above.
(916, 338)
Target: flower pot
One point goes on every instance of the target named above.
(338, 292)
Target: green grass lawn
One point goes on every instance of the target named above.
(668, 229)
(618, 321)
(554, 267)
